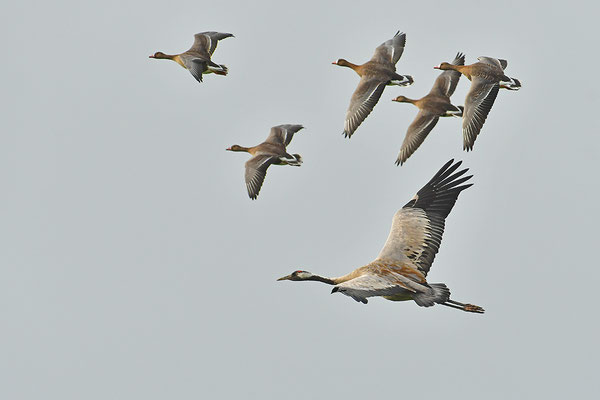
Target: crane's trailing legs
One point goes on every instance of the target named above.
(462, 306)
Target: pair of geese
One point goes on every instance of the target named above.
(399, 272)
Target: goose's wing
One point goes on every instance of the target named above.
(417, 228)
(493, 61)
(446, 83)
(283, 134)
(369, 285)
(390, 51)
(363, 100)
(416, 134)
(478, 104)
(256, 170)
(206, 42)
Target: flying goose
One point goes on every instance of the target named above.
(197, 58)
(271, 151)
(431, 107)
(487, 77)
(375, 74)
(399, 271)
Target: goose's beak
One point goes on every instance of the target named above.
(229, 148)
(151, 56)
(285, 278)
(334, 63)
(436, 67)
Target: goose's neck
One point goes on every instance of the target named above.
(163, 56)
(242, 148)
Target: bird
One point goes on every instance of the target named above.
(487, 78)
(375, 74)
(431, 107)
(271, 151)
(399, 272)
(197, 59)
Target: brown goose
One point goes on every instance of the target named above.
(271, 151)
(375, 74)
(487, 77)
(197, 58)
(431, 107)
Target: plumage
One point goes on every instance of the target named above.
(487, 78)
(271, 151)
(375, 74)
(197, 59)
(434, 105)
(399, 272)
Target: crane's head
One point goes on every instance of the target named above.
(297, 276)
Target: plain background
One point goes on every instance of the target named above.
(134, 266)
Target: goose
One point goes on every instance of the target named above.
(270, 152)
(375, 74)
(197, 58)
(431, 107)
(399, 272)
(487, 78)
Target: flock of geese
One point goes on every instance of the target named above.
(399, 272)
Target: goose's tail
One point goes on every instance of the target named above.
(510, 84)
(219, 69)
(402, 80)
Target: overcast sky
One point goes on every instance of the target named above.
(134, 265)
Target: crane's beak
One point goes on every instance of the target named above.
(285, 278)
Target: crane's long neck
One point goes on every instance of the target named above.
(323, 279)
(332, 281)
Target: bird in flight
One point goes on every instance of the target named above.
(197, 59)
(487, 78)
(431, 107)
(271, 151)
(399, 272)
(375, 75)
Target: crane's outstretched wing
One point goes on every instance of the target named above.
(363, 101)
(416, 134)
(370, 285)
(418, 227)
(283, 134)
(206, 42)
(390, 51)
(478, 104)
(445, 84)
(256, 170)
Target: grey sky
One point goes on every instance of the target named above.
(134, 266)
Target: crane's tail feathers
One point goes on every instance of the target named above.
(437, 293)
(464, 307)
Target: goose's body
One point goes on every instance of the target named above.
(375, 75)
(434, 105)
(270, 152)
(399, 272)
(487, 78)
(197, 59)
